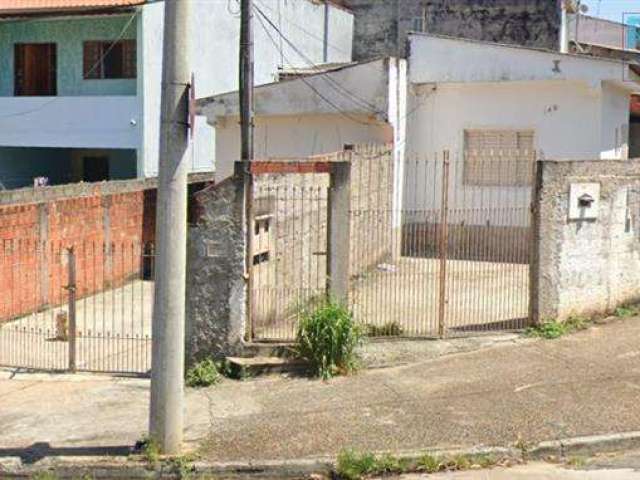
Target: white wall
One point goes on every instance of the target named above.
(570, 119)
(70, 122)
(614, 142)
(214, 56)
(297, 137)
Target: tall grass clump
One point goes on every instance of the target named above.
(327, 338)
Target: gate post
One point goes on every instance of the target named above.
(339, 231)
(443, 243)
(71, 290)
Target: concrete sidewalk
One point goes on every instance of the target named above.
(583, 384)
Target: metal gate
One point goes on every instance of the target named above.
(78, 307)
(444, 252)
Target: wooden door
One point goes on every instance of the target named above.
(35, 69)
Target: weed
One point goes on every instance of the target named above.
(577, 462)
(524, 447)
(484, 461)
(182, 466)
(627, 311)
(44, 476)
(149, 449)
(552, 329)
(429, 463)
(203, 374)
(354, 466)
(327, 338)
(389, 329)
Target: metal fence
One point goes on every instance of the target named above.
(78, 307)
(444, 251)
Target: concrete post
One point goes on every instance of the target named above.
(339, 231)
(166, 411)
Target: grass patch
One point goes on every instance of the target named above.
(356, 466)
(44, 476)
(552, 329)
(627, 311)
(389, 329)
(577, 461)
(327, 338)
(203, 374)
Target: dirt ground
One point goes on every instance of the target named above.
(113, 327)
(582, 384)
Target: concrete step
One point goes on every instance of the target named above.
(282, 350)
(246, 367)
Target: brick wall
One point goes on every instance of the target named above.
(110, 226)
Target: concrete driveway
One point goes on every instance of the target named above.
(583, 384)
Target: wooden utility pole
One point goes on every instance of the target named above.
(167, 373)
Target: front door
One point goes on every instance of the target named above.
(35, 69)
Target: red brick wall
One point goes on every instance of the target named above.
(107, 230)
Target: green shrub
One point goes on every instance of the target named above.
(327, 338)
(203, 374)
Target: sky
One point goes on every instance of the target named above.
(612, 9)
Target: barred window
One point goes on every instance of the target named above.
(498, 157)
(105, 59)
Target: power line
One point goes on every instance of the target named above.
(305, 81)
(323, 74)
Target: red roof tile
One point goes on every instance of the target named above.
(15, 7)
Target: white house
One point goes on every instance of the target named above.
(453, 94)
(80, 81)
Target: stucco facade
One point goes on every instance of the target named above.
(117, 114)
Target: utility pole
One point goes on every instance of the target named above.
(167, 373)
(246, 81)
(246, 133)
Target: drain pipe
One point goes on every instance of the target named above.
(564, 27)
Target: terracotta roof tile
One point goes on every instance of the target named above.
(13, 7)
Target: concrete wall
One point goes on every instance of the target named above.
(297, 136)
(381, 27)
(69, 34)
(216, 287)
(586, 266)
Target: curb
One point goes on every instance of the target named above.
(122, 468)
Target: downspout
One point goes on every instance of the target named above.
(325, 45)
(564, 27)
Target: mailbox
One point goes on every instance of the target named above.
(584, 201)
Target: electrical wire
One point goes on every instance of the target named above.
(308, 84)
(334, 84)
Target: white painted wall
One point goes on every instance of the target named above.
(70, 122)
(570, 119)
(214, 56)
(614, 142)
(297, 137)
